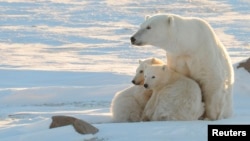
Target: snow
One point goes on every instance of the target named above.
(70, 57)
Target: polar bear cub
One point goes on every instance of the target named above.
(128, 104)
(139, 76)
(175, 96)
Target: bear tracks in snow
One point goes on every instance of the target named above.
(80, 126)
(245, 65)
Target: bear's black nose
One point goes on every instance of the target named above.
(146, 85)
(132, 39)
(133, 81)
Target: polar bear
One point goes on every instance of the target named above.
(194, 50)
(175, 96)
(139, 76)
(128, 104)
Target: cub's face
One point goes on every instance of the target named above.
(153, 76)
(139, 76)
(152, 32)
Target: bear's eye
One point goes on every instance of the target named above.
(153, 77)
(141, 71)
(148, 27)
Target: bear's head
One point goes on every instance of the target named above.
(154, 31)
(155, 76)
(139, 76)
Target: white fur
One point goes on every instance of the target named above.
(139, 76)
(194, 50)
(128, 104)
(175, 96)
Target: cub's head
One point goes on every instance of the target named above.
(154, 31)
(155, 76)
(139, 76)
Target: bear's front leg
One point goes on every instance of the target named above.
(147, 113)
(149, 108)
(144, 117)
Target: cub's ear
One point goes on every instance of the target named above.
(170, 20)
(140, 61)
(156, 61)
(147, 17)
(153, 60)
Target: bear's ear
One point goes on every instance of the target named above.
(147, 17)
(156, 61)
(153, 60)
(170, 20)
(140, 61)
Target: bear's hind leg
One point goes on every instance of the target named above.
(216, 101)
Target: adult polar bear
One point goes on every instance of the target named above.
(194, 50)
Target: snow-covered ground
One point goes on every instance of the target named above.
(69, 57)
